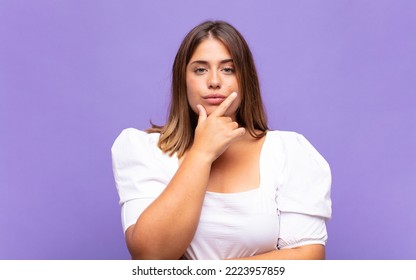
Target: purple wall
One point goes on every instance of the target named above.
(73, 74)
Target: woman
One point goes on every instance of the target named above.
(214, 182)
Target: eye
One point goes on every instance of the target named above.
(228, 70)
(200, 70)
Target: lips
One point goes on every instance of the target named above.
(214, 99)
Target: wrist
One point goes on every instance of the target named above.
(200, 156)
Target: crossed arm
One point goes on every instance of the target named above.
(173, 217)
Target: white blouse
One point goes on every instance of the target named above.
(288, 209)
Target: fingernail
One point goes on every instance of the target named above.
(234, 93)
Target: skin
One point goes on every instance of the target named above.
(167, 226)
(211, 71)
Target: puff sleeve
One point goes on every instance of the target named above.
(303, 197)
(306, 182)
(140, 172)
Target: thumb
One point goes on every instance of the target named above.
(202, 113)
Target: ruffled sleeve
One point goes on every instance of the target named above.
(306, 178)
(140, 172)
(303, 194)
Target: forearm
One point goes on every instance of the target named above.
(307, 252)
(165, 229)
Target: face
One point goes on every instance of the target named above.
(211, 77)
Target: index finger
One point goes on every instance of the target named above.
(222, 108)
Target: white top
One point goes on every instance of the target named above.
(287, 210)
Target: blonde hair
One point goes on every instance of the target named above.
(177, 135)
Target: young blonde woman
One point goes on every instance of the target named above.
(214, 182)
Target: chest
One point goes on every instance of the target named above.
(237, 170)
(236, 225)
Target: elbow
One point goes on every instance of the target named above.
(139, 253)
(134, 245)
(142, 247)
(138, 248)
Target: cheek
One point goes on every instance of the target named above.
(192, 100)
(192, 87)
(232, 85)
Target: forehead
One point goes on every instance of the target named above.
(211, 49)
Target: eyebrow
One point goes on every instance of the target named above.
(206, 62)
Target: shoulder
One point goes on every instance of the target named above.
(133, 135)
(286, 137)
(133, 144)
(306, 175)
(294, 145)
(138, 167)
(134, 138)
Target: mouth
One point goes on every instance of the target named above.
(214, 99)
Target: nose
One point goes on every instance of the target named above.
(214, 81)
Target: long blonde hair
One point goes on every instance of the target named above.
(177, 135)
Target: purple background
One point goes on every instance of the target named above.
(73, 74)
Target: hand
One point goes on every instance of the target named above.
(215, 133)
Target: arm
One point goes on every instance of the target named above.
(305, 197)
(167, 226)
(307, 252)
(301, 237)
(165, 229)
